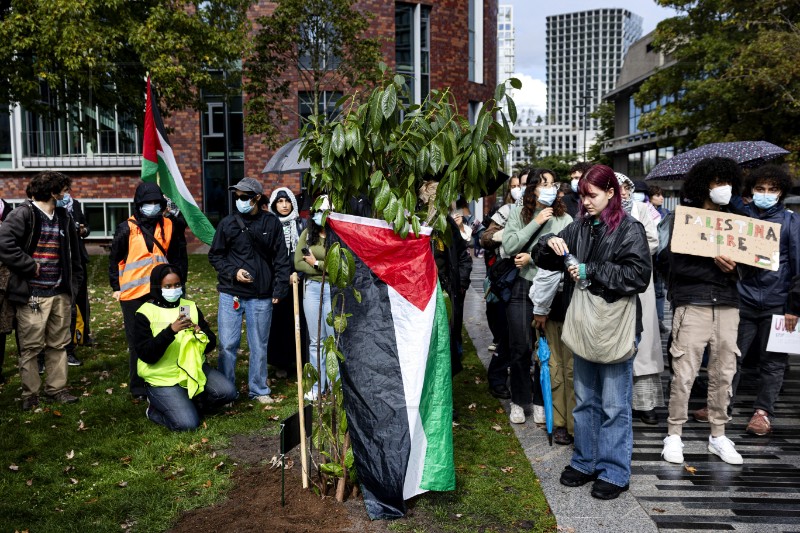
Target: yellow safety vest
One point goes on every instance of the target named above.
(135, 269)
(182, 362)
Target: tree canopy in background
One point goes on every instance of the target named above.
(98, 51)
(323, 44)
(736, 75)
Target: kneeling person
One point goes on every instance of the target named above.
(171, 346)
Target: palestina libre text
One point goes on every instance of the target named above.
(746, 229)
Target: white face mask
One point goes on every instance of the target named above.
(317, 218)
(150, 210)
(516, 192)
(244, 206)
(638, 197)
(172, 295)
(547, 196)
(574, 184)
(721, 195)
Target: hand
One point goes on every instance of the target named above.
(310, 259)
(558, 245)
(459, 220)
(724, 263)
(82, 230)
(790, 321)
(522, 260)
(575, 272)
(241, 278)
(275, 301)
(294, 278)
(183, 322)
(539, 321)
(116, 295)
(38, 268)
(544, 215)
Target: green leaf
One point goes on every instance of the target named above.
(437, 159)
(399, 218)
(339, 323)
(399, 80)
(376, 118)
(423, 160)
(331, 469)
(333, 261)
(350, 136)
(382, 199)
(356, 294)
(391, 209)
(351, 266)
(482, 156)
(415, 225)
(338, 140)
(515, 83)
(472, 168)
(389, 101)
(375, 179)
(359, 144)
(499, 92)
(512, 109)
(481, 127)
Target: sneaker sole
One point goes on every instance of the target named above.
(734, 462)
(675, 461)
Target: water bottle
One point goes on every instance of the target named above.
(570, 260)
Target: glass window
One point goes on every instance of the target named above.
(5, 140)
(412, 41)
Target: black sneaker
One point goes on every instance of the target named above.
(62, 396)
(501, 392)
(603, 490)
(575, 478)
(30, 402)
(73, 361)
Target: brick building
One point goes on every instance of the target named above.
(436, 43)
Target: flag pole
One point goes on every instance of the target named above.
(299, 365)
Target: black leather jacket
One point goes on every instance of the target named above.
(617, 263)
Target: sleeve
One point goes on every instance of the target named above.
(545, 257)
(119, 251)
(212, 338)
(12, 232)
(218, 254)
(793, 305)
(76, 259)
(516, 235)
(281, 266)
(80, 218)
(629, 271)
(650, 229)
(464, 266)
(299, 264)
(487, 241)
(176, 253)
(150, 349)
(545, 287)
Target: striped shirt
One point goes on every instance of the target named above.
(48, 256)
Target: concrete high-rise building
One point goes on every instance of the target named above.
(506, 50)
(584, 53)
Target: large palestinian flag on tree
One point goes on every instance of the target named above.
(396, 374)
(159, 166)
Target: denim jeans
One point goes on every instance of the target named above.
(603, 422)
(754, 326)
(172, 408)
(259, 319)
(311, 296)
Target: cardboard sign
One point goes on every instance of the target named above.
(746, 240)
(780, 340)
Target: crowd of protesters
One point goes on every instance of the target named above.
(586, 265)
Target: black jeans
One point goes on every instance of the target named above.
(498, 324)
(520, 342)
(129, 308)
(754, 325)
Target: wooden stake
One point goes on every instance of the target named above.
(299, 365)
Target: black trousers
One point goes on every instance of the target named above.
(129, 308)
(498, 324)
(525, 387)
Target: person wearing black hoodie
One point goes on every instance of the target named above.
(7, 310)
(143, 241)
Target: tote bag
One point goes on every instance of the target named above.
(599, 331)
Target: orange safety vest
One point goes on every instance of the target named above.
(134, 271)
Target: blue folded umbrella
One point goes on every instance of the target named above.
(543, 353)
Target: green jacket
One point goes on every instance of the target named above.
(516, 234)
(318, 251)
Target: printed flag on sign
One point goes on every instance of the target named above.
(396, 374)
(159, 166)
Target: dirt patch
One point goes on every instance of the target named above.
(254, 502)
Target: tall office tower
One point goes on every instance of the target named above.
(505, 53)
(584, 56)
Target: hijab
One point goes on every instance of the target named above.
(288, 221)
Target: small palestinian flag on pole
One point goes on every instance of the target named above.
(396, 378)
(159, 166)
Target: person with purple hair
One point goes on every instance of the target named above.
(614, 258)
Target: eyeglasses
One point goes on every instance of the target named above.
(247, 197)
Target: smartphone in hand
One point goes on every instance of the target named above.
(185, 312)
(305, 251)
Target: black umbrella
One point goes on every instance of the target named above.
(287, 159)
(747, 153)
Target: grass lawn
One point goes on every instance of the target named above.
(100, 465)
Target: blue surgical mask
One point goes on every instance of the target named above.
(574, 184)
(765, 200)
(172, 295)
(150, 210)
(244, 206)
(64, 201)
(317, 218)
(638, 197)
(547, 196)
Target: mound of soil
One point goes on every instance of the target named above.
(254, 502)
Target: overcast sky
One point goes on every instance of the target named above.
(529, 25)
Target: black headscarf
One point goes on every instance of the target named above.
(156, 277)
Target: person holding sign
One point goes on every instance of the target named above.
(764, 293)
(705, 303)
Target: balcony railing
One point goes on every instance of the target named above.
(82, 161)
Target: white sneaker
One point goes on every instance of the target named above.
(264, 399)
(517, 415)
(538, 414)
(492, 347)
(725, 449)
(310, 396)
(673, 449)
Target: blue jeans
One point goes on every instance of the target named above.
(172, 408)
(259, 319)
(603, 423)
(311, 297)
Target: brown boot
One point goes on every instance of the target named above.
(759, 423)
(701, 415)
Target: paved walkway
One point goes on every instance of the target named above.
(763, 495)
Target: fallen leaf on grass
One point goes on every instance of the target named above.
(497, 428)
(68, 468)
(56, 413)
(276, 417)
(268, 408)
(207, 484)
(459, 515)
(29, 482)
(456, 424)
(507, 469)
(13, 468)
(220, 465)
(482, 467)
(692, 470)
(109, 390)
(204, 440)
(73, 481)
(81, 426)
(478, 380)
(70, 454)
(205, 426)
(123, 385)
(122, 484)
(126, 460)
(500, 411)
(565, 529)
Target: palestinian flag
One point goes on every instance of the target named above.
(396, 375)
(159, 166)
